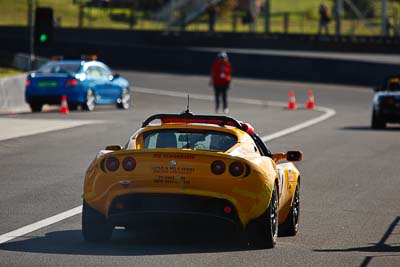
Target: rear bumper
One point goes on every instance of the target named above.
(390, 115)
(173, 209)
(74, 95)
(51, 100)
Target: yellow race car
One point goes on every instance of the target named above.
(186, 168)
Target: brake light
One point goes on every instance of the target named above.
(129, 164)
(227, 210)
(71, 82)
(27, 83)
(247, 127)
(112, 164)
(218, 167)
(119, 206)
(236, 168)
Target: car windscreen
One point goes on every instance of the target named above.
(189, 139)
(59, 67)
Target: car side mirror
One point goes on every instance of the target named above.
(114, 147)
(294, 155)
(289, 156)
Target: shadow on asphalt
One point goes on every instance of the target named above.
(381, 246)
(123, 243)
(394, 127)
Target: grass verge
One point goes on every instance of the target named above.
(6, 71)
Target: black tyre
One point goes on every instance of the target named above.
(90, 101)
(263, 232)
(124, 102)
(291, 225)
(36, 107)
(377, 121)
(95, 227)
(72, 106)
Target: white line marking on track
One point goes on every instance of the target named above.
(328, 113)
(16, 127)
(40, 224)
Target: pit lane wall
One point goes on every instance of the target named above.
(12, 88)
(252, 55)
(12, 94)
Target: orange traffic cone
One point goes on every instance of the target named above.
(64, 105)
(292, 100)
(310, 103)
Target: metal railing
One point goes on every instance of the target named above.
(190, 15)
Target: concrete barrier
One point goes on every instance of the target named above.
(12, 94)
(12, 89)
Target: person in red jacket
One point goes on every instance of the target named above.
(221, 75)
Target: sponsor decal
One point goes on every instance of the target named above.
(173, 156)
(173, 170)
(172, 179)
(290, 175)
(47, 84)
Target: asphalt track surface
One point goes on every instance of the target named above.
(350, 213)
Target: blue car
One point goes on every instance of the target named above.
(84, 83)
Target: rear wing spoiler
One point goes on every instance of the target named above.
(189, 117)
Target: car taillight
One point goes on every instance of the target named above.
(218, 167)
(27, 83)
(236, 168)
(129, 164)
(71, 82)
(112, 164)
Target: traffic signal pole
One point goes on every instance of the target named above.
(267, 14)
(31, 20)
(384, 18)
(338, 16)
(253, 15)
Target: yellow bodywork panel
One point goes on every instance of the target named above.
(188, 172)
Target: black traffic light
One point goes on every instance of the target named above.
(43, 26)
